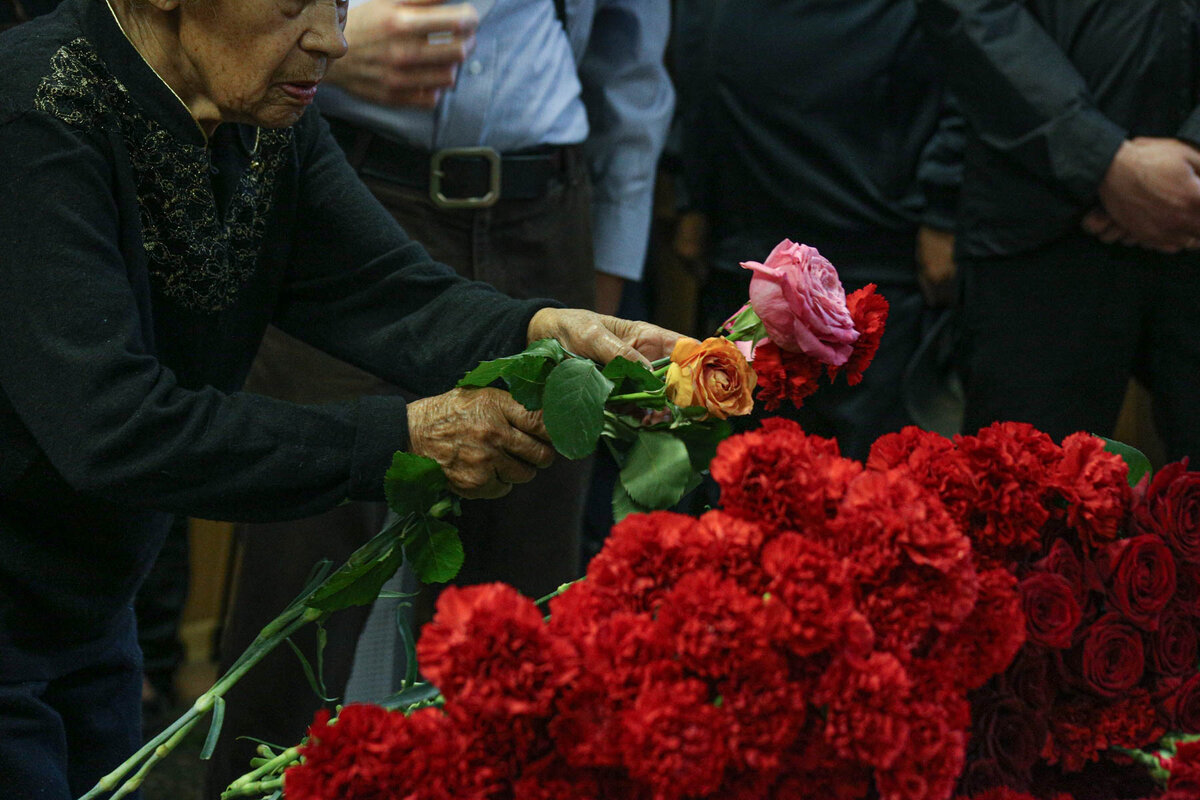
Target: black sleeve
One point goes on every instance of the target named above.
(360, 289)
(939, 170)
(108, 415)
(1021, 94)
(1190, 131)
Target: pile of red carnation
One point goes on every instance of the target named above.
(815, 638)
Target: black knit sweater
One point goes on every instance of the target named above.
(139, 266)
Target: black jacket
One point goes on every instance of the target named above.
(1051, 88)
(820, 120)
(139, 266)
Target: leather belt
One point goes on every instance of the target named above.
(456, 178)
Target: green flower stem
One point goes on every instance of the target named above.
(282, 761)
(162, 751)
(633, 397)
(661, 363)
(560, 590)
(161, 745)
(258, 789)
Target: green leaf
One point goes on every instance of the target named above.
(434, 551)
(527, 381)
(358, 581)
(658, 470)
(214, 730)
(747, 327)
(489, 371)
(314, 681)
(623, 505)
(574, 406)
(413, 484)
(414, 695)
(621, 369)
(701, 439)
(1138, 464)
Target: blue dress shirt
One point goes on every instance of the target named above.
(529, 83)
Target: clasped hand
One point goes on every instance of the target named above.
(484, 440)
(1150, 197)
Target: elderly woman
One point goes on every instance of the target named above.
(165, 193)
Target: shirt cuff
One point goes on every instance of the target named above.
(382, 429)
(621, 232)
(1190, 131)
(1089, 147)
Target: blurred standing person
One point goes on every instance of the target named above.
(824, 122)
(517, 140)
(1081, 209)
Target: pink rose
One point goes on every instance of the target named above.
(799, 298)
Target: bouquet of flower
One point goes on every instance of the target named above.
(816, 637)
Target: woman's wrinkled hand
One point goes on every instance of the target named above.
(600, 337)
(483, 439)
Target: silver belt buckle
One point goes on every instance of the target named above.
(436, 174)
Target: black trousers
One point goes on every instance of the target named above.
(69, 717)
(1052, 337)
(531, 538)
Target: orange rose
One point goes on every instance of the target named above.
(713, 374)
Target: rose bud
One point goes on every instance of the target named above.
(712, 374)
(800, 299)
(1139, 574)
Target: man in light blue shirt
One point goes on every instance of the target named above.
(518, 142)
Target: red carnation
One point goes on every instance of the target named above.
(868, 716)
(673, 739)
(1139, 574)
(489, 649)
(1113, 659)
(782, 478)
(989, 638)
(869, 310)
(784, 375)
(1083, 730)
(1011, 462)
(1171, 509)
(1051, 611)
(1095, 486)
(1185, 769)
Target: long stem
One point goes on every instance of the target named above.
(560, 590)
(633, 397)
(257, 789)
(271, 637)
(162, 751)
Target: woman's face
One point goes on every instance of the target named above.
(259, 61)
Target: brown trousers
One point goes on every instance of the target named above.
(531, 538)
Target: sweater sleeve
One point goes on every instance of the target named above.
(81, 376)
(1021, 94)
(360, 289)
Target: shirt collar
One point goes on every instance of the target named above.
(146, 88)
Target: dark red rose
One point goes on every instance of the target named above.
(1171, 509)
(1051, 611)
(1009, 732)
(1033, 677)
(1187, 587)
(1062, 560)
(1185, 706)
(1113, 658)
(1174, 646)
(1139, 575)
